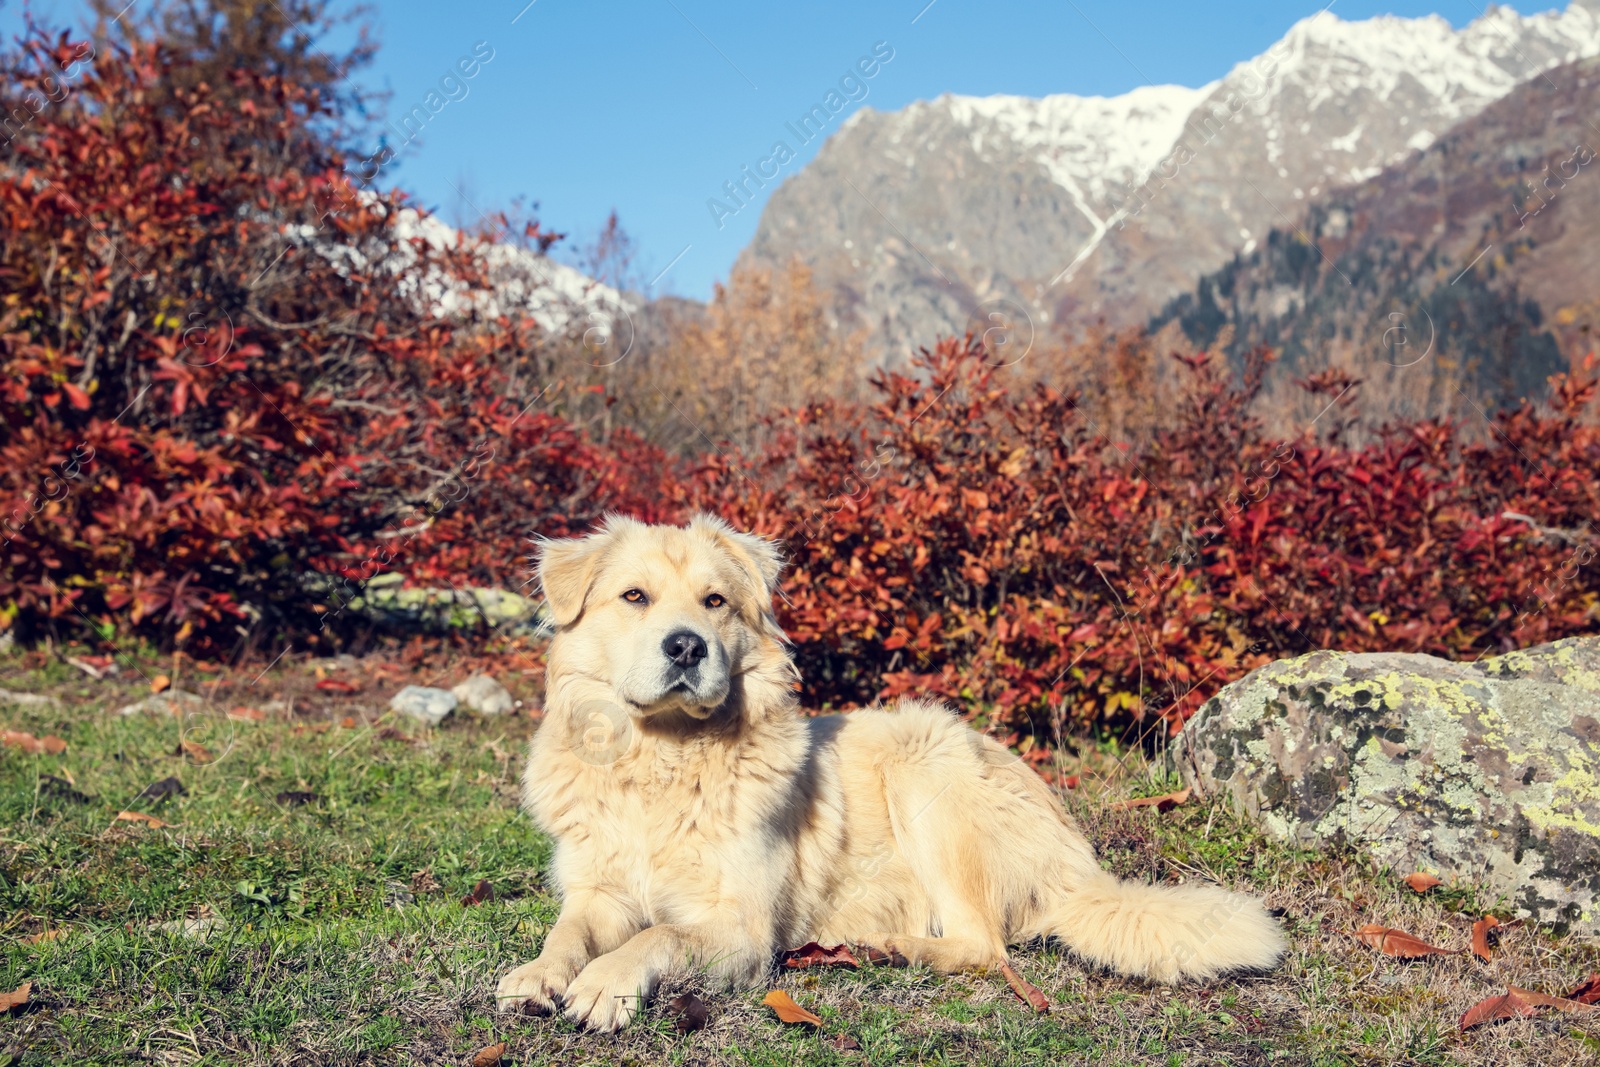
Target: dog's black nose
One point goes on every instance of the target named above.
(684, 647)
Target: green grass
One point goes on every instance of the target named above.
(318, 941)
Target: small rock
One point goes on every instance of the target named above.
(200, 928)
(27, 700)
(484, 695)
(171, 702)
(424, 703)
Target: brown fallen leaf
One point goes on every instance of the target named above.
(1165, 802)
(160, 684)
(334, 685)
(44, 935)
(139, 816)
(423, 881)
(1025, 990)
(1420, 882)
(96, 667)
(844, 1043)
(20, 739)
(1398, 943)
(52, 744)
(17, 997)
(348, 722)
(194, 750)
(812, 954)
(489, 1055)
(1480, 937)
(247, 715)
(1515, 1002)
(689, 1013)
(481, 892)
(1588, 992)
(790, 1012)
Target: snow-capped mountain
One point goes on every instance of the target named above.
(1085, 208)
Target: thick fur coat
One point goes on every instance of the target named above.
(702, 823)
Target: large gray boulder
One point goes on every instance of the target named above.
(1485, 772)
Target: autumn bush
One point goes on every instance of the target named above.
(233, 395)
(971, 538)
(228, 397)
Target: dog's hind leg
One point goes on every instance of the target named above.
(966, 932)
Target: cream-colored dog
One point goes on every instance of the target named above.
(703, 824)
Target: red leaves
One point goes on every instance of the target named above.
(1420, 882)
(1515, 1002)
(1025, 990)
(812, 954)
(783, 1005)
(1397, 943)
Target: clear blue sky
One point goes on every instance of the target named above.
(649, 106)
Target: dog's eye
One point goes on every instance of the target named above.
(635, 596)
(715, 600)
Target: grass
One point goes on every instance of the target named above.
(253, 929)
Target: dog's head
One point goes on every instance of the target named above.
(664, 615)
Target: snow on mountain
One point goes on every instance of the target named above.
(1085, 208)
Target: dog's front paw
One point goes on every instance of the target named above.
(607, 994)
(534, 987)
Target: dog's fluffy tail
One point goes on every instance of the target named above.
(1166, 933)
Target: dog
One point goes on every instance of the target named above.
(702, 823)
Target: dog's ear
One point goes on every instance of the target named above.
(567, 568)
(762, 560)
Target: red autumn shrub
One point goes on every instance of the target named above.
(227, 399)
(991, 546)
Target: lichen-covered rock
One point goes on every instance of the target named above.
(385, 602)
(1485, 772)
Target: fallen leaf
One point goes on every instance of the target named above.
(489, 1055)
(481, 892)
(334, 685)
(844, 1043)
(247, 715)
(311, 727)
(92, 665)
(139, 816)
(293, 797)
(348, 722)
(1420, 882)
(1480, 937)
(1165, 802)
(53, 744)
(787, 1010)
(19, 739)
(1515, 1002)
(812, 954)
(1070, 781)
(17, 997)
(1397, 943)
(689, 1011)
(1588, 992)
(160, 684)
(389, 733)
(167, 787)
(44, 935)
(1029, 993)
(194, 750)
(423, 881)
